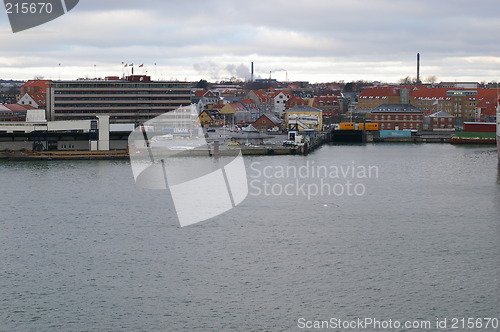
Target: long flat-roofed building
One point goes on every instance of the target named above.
(133, 100)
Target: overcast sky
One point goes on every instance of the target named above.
(313, 40)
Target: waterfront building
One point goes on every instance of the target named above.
(397, 117)
(132, 100)
(305, 117)
(439, 121)
(267, 122)
(471, 104)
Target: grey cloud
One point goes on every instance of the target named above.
(217, 34)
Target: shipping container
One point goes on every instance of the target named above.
(346, 126)
(371, 126)
(395, 133)
(482, 127)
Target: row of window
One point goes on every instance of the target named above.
(122, 92)
(58, 99)
(373, 97)
(116, 105)
(111, 111)
(405, 126)
(397, 117)
(121, 85)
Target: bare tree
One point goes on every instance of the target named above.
(431, 79)
(408, 80)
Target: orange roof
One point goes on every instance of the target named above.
(40, 83)
(262, 95)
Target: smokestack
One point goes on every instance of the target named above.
(251, 76)
(418, 68)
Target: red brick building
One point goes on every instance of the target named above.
(397, 117)
(330, 105)
(441, 121)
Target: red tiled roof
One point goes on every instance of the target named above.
(263, 96)
(423, 92)
(296, 100)
(200, 93)
(248, 101)
(40, 98)
(17, 107)
(40, 83)
(487, 101)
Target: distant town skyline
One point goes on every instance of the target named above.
(315, 41)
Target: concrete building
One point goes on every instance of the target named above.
(133, 100)
(75, 135)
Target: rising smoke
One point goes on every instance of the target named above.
(214, 71)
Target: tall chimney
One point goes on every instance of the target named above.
(418, 68)
(251, 76)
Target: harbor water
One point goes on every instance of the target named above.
(401, 232)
